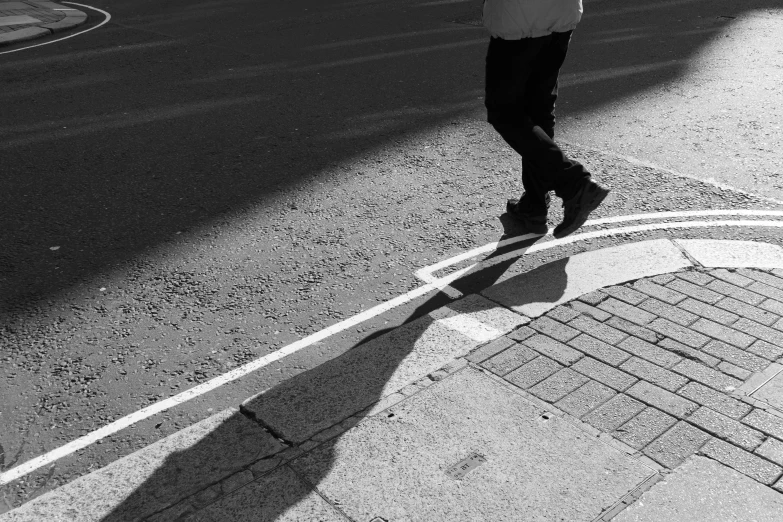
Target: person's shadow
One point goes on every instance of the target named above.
(312, 404)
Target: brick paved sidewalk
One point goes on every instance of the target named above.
(667, 365)
(28, 19)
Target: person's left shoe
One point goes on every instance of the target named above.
(575, 211)
(534, 223)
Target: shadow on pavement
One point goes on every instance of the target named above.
(344, 389)
(132, 150)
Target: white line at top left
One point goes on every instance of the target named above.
(104, 13)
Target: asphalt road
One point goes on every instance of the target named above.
(195, 185)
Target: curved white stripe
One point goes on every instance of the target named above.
(107, 15)
(441, 283)
(426, 273)
(444, 281)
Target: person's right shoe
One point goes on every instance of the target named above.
(576, 209)
(533, 223)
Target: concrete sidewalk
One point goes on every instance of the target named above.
(640, 382)
(29, 19)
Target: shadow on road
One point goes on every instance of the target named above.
(198, 127)
(309, 405)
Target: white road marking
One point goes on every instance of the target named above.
(433, 284)
(107, 15)
(426, 274)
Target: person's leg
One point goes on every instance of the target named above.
(510, 64)
(540, 99)
(508, 67)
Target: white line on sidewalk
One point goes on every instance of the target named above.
(433, 284)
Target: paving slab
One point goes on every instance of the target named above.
(280, 496)
(715, 253)
(155, 477)
(314, 400)
(393, 465)
(535, 292)
(702, 490)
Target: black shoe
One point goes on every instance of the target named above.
(532, 222)
(576, 209)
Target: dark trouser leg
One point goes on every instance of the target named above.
(521, 89)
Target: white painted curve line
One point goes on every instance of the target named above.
(603, 233)
(434, 284)
(107, 15)
(201, 389)
(426, 274)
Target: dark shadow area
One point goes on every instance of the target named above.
(313, 402)
(184, 132)
(183, 128)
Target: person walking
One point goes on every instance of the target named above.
(528, 45)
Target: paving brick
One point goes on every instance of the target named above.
(632, 329)
(613, 413)
(590, 310)
(697, 278)
(650, 352)
(593, 298)
(563, 313)
(533, 372)
(726, 428)
(733, 370)
(554, 329)
(695, 291)
(509, 360)
(766, 290)
(585, 399)
(762, 277)
(706, 375)
(763, 421)
(663, 293)
(655, 374)
(759, 330)
(708, 311)
(679, 333)
(670, 312)
(520, 334)
(644, 428)
(662, 279)
(772, 449)
(771, 305)
(624, 293)
(554, 349)
(680, 442)
(740, 294)
(598, 330)
(745, 310)
(724, 333)
(659, 398)
(731, 277)
(714, 400)
(744, 462)
(604, 373)
(558, 385)
(599, 349)
(736, 356)
(766, 350)
(626, 311)
(490, 349)
(688, 352)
